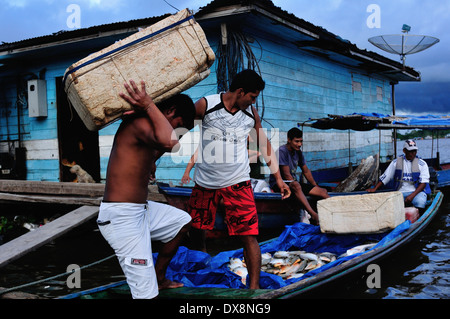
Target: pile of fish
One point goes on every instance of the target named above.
(286, 264)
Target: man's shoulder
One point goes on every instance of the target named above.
(422, 162)
(139, 123)
(283, 149)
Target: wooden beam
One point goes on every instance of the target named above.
(62, 192)
(46, 199)
(34, 239)
(53, 188)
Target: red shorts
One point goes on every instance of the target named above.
(240, 209)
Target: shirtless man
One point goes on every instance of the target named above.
(126, 219)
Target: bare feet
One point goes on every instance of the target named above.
(169, 284)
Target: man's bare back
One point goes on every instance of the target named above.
(131, 163)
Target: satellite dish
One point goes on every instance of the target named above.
(403, 44)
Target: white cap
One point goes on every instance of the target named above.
(410, 145)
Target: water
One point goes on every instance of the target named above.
(419, 270)
(428, 148)
(428, 274)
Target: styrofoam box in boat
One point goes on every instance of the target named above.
(171, 56)
(360, 214)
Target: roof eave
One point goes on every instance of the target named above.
(238, 9)
(23, 49)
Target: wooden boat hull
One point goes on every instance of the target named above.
(273, 212)
(293, 290)
(443, 176)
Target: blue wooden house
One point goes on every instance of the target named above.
(309, 73)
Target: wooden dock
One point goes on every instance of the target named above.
(87, 196)
(34, 239)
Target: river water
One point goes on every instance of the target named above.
(420, 269)
(428, 148)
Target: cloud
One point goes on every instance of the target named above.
(103, 5)
(429, 97)
(23, 3)
(17, 3)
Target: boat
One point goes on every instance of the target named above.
(443, 176)
(371, 121)
(193, 266)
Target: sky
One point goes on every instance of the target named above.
(353, 20)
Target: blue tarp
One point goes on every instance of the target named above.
(199, 269)
(428, 120)
(413, 120)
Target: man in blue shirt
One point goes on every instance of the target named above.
(290, 157)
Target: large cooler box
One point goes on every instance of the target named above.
(171, 56)
(361, 214)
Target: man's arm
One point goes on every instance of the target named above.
(385, 178)
(308, 175)
(186, 179)
(200, 108)
(373, 190)
(269, 155)
(163, 134)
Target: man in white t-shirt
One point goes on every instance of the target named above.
(410, 176)
(222, 166)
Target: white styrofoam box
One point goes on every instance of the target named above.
(358, 214)
(170, 56)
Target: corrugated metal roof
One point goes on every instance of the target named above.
(78, 33)
(326, 41)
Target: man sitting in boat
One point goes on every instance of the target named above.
(290, 157)
(409, 175)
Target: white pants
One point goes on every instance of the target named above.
(129, 228)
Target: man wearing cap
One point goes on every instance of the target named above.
(409, 175)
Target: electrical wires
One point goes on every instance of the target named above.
(231, 58)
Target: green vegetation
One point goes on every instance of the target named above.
(415, 134)
(5, 225)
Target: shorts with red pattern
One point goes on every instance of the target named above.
(240, 209)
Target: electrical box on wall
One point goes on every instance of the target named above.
(37, 98)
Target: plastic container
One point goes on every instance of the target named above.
(171, 56)
(361, 214)
(411, 214)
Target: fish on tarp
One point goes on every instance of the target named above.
(286, 264)
(358, 249)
